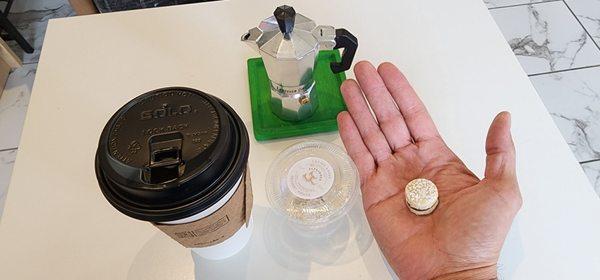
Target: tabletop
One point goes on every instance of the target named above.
(57, 224)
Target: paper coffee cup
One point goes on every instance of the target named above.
(177, 157)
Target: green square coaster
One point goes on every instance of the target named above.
(268, 126)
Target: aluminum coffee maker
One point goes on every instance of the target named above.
(289, 44)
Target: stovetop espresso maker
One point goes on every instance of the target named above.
(289, 43)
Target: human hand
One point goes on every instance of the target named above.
(462, 238)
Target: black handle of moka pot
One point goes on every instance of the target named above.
(347, 41)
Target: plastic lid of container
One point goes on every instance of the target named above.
(312, 182)
(170, 153)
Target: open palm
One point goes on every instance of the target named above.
(464, 235)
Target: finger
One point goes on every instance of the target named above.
(367, 127)
(500, 150)
(388, 115)
(500, 161)
(355, 146)
(415, 114)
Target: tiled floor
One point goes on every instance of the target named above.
(592, 169)
(32, 21)
(573, 99)
(7, 159)
(13, 105)
(31, 18)
(546, 37)
(556, 41)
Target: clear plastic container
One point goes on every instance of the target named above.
(312, 183)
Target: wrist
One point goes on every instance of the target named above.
(479, 273)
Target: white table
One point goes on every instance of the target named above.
(57, 225)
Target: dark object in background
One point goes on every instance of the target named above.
(105, 6)
(11, 31)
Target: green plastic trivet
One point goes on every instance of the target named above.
(268, 126)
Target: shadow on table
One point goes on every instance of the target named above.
(512, 252)
(281, 250)
(161, 258)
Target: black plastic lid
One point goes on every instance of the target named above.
(171, 153)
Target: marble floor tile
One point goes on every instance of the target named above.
(27, 5)
(592, 170)
(13, 105)
(7, 159)
(573, 100)
(588, 12)
(31, 19)
(546, 37)
(504, 3)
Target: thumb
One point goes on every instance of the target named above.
(500, 150)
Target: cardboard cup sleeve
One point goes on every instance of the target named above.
(218, 226)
